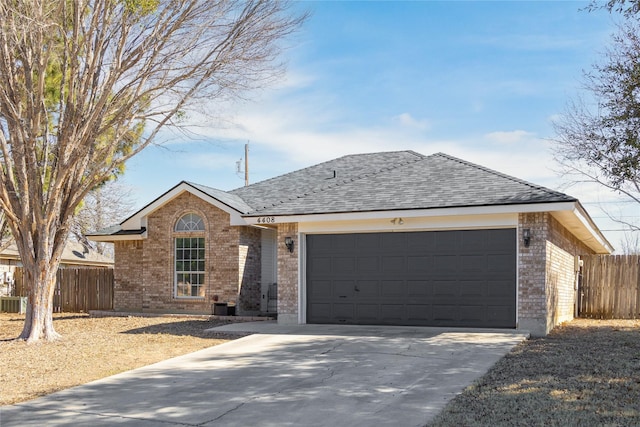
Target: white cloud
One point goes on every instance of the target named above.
(407, 120)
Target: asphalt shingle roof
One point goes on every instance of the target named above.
(229, 199)
(389, 181)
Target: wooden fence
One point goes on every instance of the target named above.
(77, 289)
(610, 287)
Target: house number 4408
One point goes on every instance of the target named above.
(266, 220)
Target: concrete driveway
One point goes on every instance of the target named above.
(311, 375)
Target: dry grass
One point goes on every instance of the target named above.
(92, 348)
(585, 373)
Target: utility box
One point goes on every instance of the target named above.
(13, 305)
(220, 309)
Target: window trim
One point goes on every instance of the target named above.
(190, 238)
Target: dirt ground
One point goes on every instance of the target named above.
(585, 373)
(92, 348)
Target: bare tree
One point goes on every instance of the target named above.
(87, 84)
(103, 206)
(598, 136)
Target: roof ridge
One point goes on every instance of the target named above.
(503, 175)
(334, 184)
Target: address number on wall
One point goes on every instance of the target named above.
(266, 220)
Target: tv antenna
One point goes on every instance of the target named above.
(246, 165)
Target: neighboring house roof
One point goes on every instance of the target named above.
(74, 253)
(403, 182)
(390, 181)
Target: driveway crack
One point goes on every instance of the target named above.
(235, 408)
(339, 344)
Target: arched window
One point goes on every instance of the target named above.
(190, 222)
(190, 257)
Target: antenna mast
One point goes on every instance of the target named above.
(246, 164)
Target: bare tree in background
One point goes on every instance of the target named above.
(598, 136)
(103, 206)
(87, 84)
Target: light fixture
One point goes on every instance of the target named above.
(288, 242)
(526, 237)
(398, 221)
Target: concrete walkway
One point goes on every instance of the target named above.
(311, 375)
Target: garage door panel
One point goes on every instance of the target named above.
(473, 289)
(392, 313)
(443, 289)
(393, 264)
(320, 290)
(368, 289)
(344, 288)
(500, 262)
(322, 312)
(444, 313)
(368, 265)
(441, 278)
(473, 263)
(343, 311)
(321, 266)
(474, 242)
(421, 242)
(498, 314)
(419, 288)
(447, 241)
(498, 240)
(419, 264)
(393, 289)
(368, 313)
(445, 264)
(343, 242)
(343, 265)
(319, 246)
(419, 312)
(369, 242)
(470, 313)
(393, 242)
(497, 289)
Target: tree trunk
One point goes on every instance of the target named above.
(41, 282)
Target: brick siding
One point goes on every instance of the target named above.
(287, 274)
(127, 275)
(232, 262)
(546, 277)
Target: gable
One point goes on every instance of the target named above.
(138, 221)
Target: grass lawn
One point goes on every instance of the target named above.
(585, 373)
(92, 348)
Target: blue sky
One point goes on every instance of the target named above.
(478, 80)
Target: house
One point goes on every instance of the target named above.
(394, 238)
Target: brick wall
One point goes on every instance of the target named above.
(227, 278)
(546, 273)
(532, 271)
(127, 275)
(287, 275)
(562, 248)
